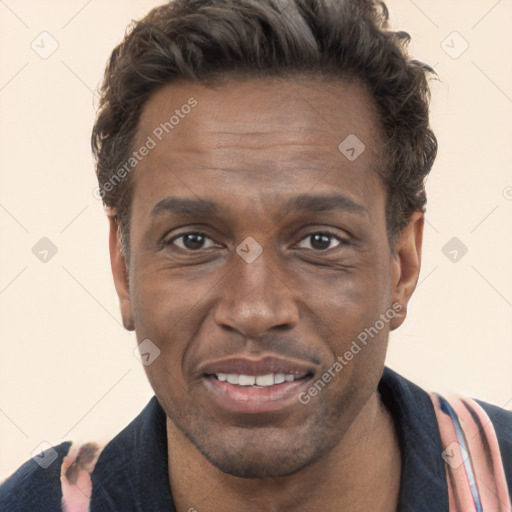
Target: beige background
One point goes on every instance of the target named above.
(67, 368)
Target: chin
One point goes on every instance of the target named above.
(257, 465)
(263, 455)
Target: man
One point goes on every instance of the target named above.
(263, 163)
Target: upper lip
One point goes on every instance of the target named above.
(262, 366)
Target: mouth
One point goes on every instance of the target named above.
(249, 386)
(256, 381)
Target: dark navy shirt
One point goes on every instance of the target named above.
(132, 473)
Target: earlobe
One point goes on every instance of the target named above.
(120, 274)
(406, 266)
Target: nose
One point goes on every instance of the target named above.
(256, 298)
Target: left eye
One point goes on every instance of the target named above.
(192, 241)
(320, 241)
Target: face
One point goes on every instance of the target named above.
(258, 255)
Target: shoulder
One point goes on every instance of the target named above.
(113, 471)
(502, 422)
(36, 484)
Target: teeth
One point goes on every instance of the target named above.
(246, 380)
(260, 381)
(232, 378)
(265, 380)
(279, 378)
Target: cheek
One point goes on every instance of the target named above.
(164, 299)
(171, 308)
(349, 301)
(357, 341)
(348, 313)
(165, 311)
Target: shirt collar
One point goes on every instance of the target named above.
(423, 485)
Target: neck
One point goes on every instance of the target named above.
(361, 473)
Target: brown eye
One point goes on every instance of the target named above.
(192, 241)
(319, 241)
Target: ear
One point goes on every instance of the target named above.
(405, 266)
(120, 274)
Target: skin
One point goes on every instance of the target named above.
(253, 147)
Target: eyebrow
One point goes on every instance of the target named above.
(323, 203)
(304, 202)
(186, 206)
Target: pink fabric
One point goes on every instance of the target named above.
(75, 477)
(483, 455)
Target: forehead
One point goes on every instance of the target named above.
(254, 107)
(259, 137)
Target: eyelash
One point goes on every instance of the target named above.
(342, 241)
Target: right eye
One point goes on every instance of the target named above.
(192, 241)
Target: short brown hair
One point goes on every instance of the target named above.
(205, 40)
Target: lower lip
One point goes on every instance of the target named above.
(245, 399)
